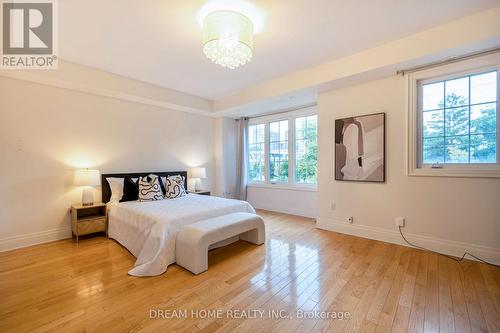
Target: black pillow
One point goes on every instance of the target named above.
(130, 190)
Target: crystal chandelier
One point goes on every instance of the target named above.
(228, 38)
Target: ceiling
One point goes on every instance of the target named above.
(159, 41)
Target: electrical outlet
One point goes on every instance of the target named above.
(400, 222)
(350, 220)
(333, 206)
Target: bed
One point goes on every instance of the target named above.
(149, 229)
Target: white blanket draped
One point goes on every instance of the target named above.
(149, 229)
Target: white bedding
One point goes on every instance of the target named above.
(149, 229)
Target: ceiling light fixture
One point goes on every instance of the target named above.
(228, 38)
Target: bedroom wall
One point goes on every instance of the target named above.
(47, 132)
(445, 214)
(291, 201)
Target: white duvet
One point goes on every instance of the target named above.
(149, 229)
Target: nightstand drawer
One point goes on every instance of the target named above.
(89, 226)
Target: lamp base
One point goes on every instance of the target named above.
(191, 185)
(87, 197)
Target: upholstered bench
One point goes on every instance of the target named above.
(194, 240)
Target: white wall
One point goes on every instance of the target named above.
(447, 214)
(290, 201)
(47, 132)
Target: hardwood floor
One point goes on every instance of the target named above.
(68, 287)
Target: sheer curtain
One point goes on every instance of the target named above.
(242, 156)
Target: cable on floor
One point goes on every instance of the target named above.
(445, 255)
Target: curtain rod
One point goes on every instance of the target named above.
(448, 61)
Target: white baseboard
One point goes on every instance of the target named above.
(444, 246)
(283, 209)
(440, 245)
(16, 242)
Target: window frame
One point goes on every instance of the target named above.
(414, 82)
(290, 116)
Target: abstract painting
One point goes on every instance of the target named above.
(360, 148)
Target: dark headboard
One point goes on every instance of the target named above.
(106, 190)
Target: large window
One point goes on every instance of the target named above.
(283, 148)
(453, 120)
(459, 120)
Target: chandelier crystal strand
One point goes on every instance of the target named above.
(228, 38)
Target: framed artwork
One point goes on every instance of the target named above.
(360, 148)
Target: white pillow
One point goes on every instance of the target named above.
(149, 188)
(164, 180)
(116, 185)
(174, 187)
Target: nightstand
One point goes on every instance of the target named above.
(201, 192)
(87, 220)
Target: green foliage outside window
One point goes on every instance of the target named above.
(306, 167)
(460, 133)
(281, 172)
(256, 168)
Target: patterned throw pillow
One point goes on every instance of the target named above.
(174, 187)
(149, 188)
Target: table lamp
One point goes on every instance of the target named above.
(87, 178)
(196, 175)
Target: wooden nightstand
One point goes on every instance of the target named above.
(87, 220)
(201, 192)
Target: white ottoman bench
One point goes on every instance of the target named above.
(194, 240)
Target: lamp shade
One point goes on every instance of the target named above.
(87, 177)
(198, 173)
(228, 38)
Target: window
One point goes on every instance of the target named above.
(278, 151)
(459, 120)
(454, 119)
(306, 149)
(283, 149)
(256, 155)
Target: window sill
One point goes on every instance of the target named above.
(456, 172)
(284, 186)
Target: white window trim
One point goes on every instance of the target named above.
(412, 120)
(290, 116)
